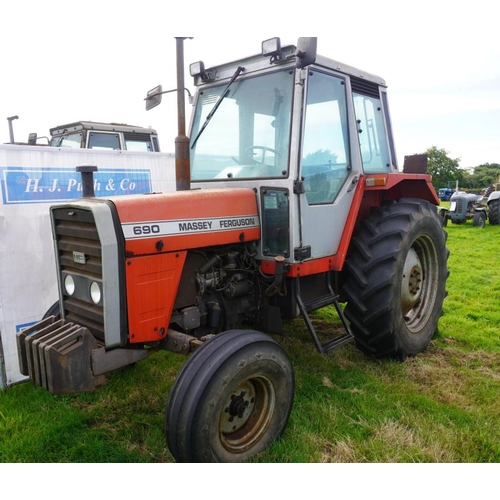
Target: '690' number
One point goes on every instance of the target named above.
(148, 229)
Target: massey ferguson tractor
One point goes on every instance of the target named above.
(289, 200)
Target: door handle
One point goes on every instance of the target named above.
(353, 183)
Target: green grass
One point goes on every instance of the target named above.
(441, 406)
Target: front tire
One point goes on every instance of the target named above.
(443, 213)
(396, 279)
(231, 400)
(479, 219)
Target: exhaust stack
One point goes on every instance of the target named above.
(182, 164)
(87, 172)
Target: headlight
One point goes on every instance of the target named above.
(69, 285)
(271, 47)
(95, 292)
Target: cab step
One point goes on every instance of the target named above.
(306, 307)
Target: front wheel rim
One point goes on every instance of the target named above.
(246, 414)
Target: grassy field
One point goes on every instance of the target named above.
(442, 406)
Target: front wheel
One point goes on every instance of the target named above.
(443, 213)
(231, 400)
(479, 219)
(396, 279)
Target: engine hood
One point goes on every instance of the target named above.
(181, 220)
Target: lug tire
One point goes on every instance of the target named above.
(396, 279)
(494, 212)
(231, 400)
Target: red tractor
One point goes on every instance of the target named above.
(293, 202)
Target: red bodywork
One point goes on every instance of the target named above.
(159, 229)
(386, 187)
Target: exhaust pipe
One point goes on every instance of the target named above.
(182, 163)
(11, 130)
(87, 172)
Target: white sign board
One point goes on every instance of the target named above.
(32, 178)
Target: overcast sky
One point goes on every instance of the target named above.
(68, 61)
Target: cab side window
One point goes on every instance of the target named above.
(100, 140)
(325, 148)
(371, 132)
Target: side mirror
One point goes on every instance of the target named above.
(306, 51)
(153, 98)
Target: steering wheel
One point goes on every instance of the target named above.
(264, 150)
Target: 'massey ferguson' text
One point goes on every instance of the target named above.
(177, 227)
(219, 224)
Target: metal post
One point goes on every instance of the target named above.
(182, 164)
(11, 130)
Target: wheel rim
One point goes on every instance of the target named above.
(246, 414)
(419, 283)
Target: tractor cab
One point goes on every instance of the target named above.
(302, 131)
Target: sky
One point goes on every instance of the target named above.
(96, 60)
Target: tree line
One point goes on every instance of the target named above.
(446, 172)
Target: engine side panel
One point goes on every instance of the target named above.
(152, 283)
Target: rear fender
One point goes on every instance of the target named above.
(374, 190)
(381, 188)
(409, 186)
(495, 195)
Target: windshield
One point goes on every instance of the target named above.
(72, 141)
(249, 134)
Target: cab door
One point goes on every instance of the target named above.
(327, 170)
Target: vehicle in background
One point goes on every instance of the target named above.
(96, 135)
(476, 207)
(445, 194)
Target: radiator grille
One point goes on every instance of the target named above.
(77, 238)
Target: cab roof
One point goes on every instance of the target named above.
(107, 127)
(259, 62)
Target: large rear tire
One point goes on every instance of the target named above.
(494, 212)
(231, 400)
(396, 279)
